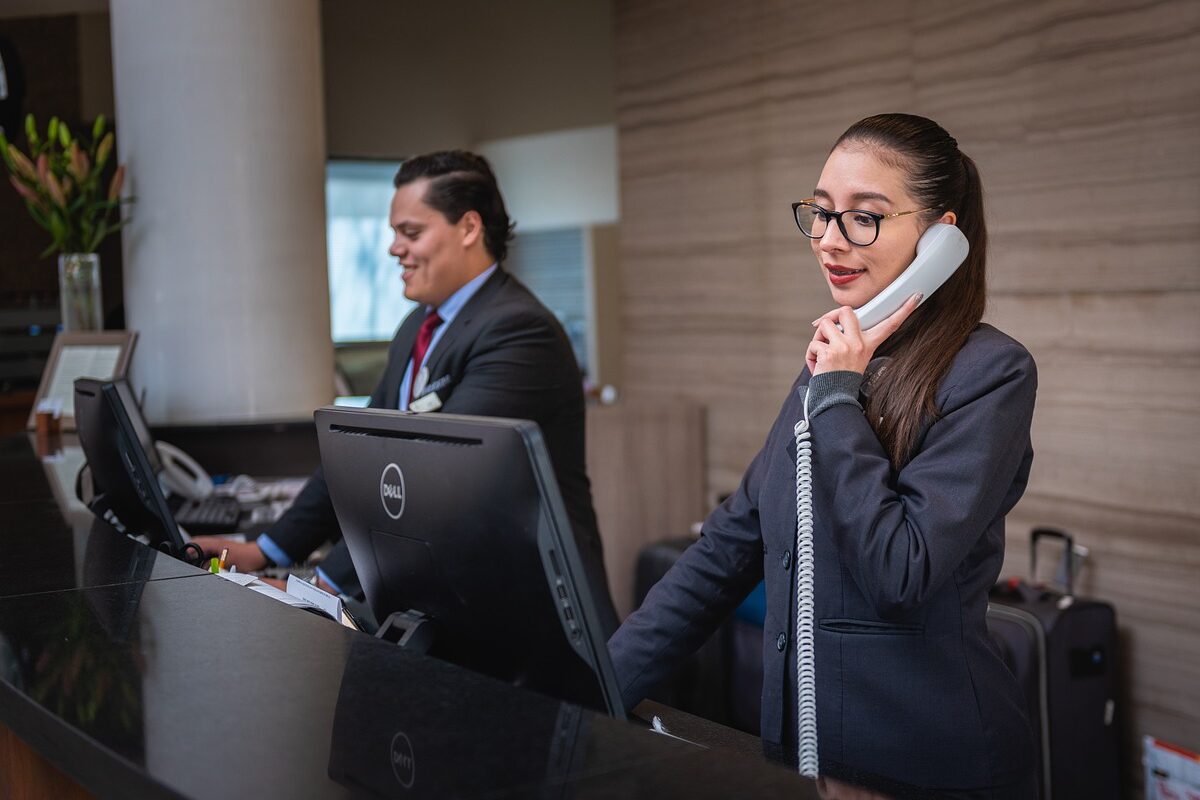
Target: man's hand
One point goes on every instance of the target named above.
(246, 556)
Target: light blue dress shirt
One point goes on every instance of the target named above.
(447, 311)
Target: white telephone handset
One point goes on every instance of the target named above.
(181, 474)
(941, 250)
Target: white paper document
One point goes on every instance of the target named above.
(81, 361)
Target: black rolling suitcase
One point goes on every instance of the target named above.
(1063, 651)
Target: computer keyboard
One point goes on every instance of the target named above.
(214, 514)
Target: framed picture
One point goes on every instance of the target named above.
(94, 354)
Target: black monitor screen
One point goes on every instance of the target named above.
(460, 519)
(117, 444)
(134, 411)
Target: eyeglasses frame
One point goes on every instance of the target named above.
(837, 215)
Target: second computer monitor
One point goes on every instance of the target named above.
(120, 453)
(460, 519)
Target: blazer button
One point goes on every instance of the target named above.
(787, 559)
(781, 642)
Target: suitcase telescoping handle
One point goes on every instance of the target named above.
(1068, 543)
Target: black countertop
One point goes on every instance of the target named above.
(139, 675)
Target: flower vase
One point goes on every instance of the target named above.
(79, 288)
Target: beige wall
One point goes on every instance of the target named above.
(1085, 123)
(560, 179)
(403, 78)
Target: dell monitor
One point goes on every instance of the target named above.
(457, 522)
(125, 485)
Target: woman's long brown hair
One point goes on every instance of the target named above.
(940, 177)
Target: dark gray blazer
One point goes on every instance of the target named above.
(908, 685)
(504, 355)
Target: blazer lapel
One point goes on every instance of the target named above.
(791, 445)
(461, 325)
(406, 337)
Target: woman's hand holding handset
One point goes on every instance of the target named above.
(839, 343)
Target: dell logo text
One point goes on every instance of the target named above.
(391, 491)
(403, 763)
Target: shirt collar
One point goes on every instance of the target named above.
(455, 302)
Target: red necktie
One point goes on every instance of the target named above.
(424, 337)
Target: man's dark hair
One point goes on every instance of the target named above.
(460, 182)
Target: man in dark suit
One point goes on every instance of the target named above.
(478, 343)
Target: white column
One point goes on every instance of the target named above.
(220, 121)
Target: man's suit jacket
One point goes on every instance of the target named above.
(503, 355)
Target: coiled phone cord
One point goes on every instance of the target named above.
(805, 569)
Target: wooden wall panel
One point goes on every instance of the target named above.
(1084, 119)
(646, 461)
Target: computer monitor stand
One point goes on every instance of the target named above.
(411, 630)
(189, 553)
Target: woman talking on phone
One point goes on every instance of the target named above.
(875, 510)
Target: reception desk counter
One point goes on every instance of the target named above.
(139, 676)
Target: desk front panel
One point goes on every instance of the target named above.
(199, 687)
(138, 675)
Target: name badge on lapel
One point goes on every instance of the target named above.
(429, 402)
(420, 381)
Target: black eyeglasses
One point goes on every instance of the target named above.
(863, 227)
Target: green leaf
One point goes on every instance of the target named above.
(38, 215)
(64, 135)
(101, 232)
(58, 228)
(98, 128)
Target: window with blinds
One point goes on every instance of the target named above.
(551, 263)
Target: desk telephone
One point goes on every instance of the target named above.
(181, 474)
(203, 511)
(940, 252)
(208, 509)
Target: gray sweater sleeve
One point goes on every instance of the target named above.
(831, 388)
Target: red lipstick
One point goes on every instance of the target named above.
(841, 276)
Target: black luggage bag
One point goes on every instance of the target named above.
(1063, 651)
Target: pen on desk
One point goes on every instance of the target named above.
(214, 566)
(224, 555)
